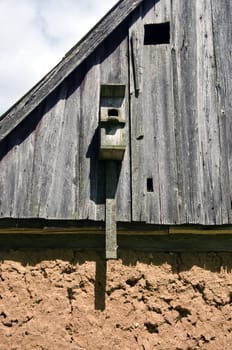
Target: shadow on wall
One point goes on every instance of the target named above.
(91, 269)
(97, 174)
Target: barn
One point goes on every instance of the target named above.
(115, 187)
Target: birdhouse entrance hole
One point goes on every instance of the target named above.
(112, 112)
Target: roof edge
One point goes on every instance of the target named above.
(73, 58)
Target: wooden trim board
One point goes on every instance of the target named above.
(92, 242)
(57, 227)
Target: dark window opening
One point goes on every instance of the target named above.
(157, 33)
(113, 112)
(150, 185)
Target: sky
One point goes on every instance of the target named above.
(35, 35)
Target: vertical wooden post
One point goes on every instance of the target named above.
(135, 64)
(111, 225)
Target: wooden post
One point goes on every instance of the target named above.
(135, 64)
(111, 226)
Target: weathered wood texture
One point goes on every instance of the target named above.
(181, 125)
(178, 160)
(201, 117)
(53, 170)
(152, 120)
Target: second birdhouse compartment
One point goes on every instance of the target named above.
(112, 122)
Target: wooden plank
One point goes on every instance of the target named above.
(207, 116)
(53, 231)
(52, 190)
(222, 44)
(25, 226)
(90, 171)
(49, 185)
(16, 174)
(130, 231)
(111, 225)
(201, 133)
(73, 59)
(121, 231)
(136, 117)
(177, 243)
(84, 231)
(135, 64)
(174, 243)
(184, 57)
(154, 151)
(39, 226)
(201, 230)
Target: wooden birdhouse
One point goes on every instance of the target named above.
(112, 122)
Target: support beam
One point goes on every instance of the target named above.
(111, 225)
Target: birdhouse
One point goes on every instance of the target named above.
(112, 122)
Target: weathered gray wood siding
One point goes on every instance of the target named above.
(54, 171)
(181, 119)
(178, 161)
(153, 132)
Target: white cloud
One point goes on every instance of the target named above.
(36, 35)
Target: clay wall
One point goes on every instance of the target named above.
(63, 299)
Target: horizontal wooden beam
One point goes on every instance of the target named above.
(80, 231)
(208, 230)
(57, 227)
(165, 243)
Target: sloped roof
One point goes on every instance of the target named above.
(19, 111)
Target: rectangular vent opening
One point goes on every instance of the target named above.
(150, 185)
(157, 33)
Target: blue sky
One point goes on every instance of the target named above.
(35, 35)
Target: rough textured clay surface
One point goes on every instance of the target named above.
(70, 300)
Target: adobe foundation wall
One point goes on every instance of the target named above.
(54, 300)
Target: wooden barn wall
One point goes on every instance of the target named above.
(52, 170)
(203, 159)
(181, 117)
(178, 162)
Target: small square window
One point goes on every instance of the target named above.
(157, 33)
